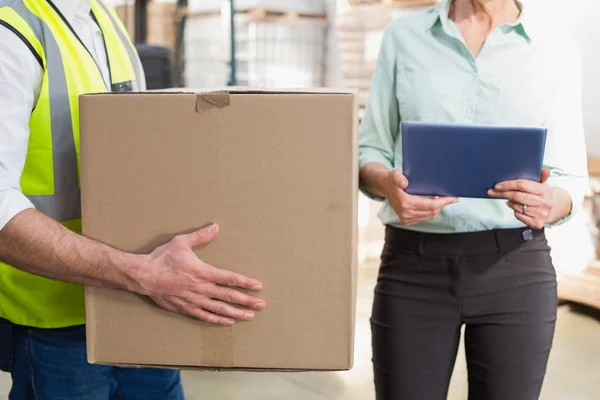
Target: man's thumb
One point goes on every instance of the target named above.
(202, 236)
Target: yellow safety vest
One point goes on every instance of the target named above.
(51, 175)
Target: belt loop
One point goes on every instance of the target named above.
(421, 246)
(497, 240)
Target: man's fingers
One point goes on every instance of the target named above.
(209, 317)
(179, 306)
(233, 296)
(233, 279)
(201, 237)
(227, 310)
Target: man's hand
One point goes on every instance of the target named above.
(531, 201)
(178, 281)
(171, 275)
(411, 210)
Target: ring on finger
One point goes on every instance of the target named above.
(524, 209)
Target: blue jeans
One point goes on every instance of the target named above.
(52, 365)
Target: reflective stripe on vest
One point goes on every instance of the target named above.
(50, 177)
(124, 38)
(65, 203)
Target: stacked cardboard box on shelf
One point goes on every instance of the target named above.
(360, 31)
(161, 22)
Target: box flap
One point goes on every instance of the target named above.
(236, 90)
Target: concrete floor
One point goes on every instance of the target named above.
(573, 371)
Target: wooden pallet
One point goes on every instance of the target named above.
(582, 288)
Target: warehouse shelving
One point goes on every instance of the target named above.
(360, 30)
(274, 48)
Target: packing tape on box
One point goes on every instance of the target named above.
(218, 348)
(209, 101)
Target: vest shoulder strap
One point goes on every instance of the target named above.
(15, 16)
(25, 41)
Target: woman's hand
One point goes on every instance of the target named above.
(532, 201)
(411, 210)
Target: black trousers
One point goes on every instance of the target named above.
(500, 284)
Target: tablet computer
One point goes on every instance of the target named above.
(467, 160)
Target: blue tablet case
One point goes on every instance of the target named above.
(468, 160)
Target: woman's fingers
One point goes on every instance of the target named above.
(422, 204)
(521, 185)
(531, 200)
(529, 221)
(422, 217)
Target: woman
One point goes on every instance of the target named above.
(482, 263)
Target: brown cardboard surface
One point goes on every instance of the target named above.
(277, 170)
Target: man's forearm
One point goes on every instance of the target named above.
(562, 205)
(37, 244)
(372, 176)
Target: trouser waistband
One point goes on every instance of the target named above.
(493, 241)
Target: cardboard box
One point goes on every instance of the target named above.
(277, 170)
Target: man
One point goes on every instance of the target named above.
(50, 53)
